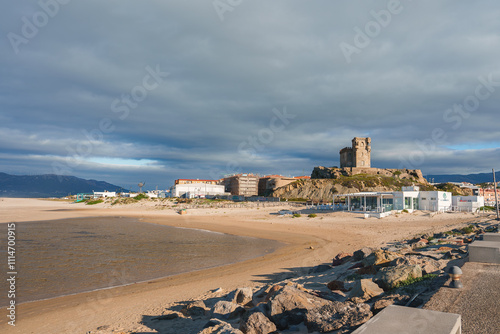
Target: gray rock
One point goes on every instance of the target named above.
(362, 254)
(336, 316)
(257, 323)
(227, 310)
(216, 326)
(242, 296)
(380, 257)
(194, 309)
(428, 265)
(289, 306)
(389, 278)
(364, 290)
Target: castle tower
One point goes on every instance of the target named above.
(361, 152)
(359, 155)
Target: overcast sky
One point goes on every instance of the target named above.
(129, 91)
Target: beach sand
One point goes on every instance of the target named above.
(309, 242)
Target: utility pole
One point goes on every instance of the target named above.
(496, 195)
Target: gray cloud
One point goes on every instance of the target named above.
(226, 77)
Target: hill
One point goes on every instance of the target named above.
(326, 182)
(50, 185)
(472, 178)
(324, 189)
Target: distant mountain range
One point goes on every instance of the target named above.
(50, 185)
(472, 178)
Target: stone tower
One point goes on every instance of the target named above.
(359, 155)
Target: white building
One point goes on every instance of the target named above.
(194, 190)
(467, 203)
(104, 194)
(435, 200)
(409, 198)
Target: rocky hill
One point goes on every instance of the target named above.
(42, 186)
(324, 189)
(325, 182)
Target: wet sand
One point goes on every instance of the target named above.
(125, 307)
(68, 256)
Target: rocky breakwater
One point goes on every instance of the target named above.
(332, 298)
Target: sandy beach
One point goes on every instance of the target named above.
(309, 242)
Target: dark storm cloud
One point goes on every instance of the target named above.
(80, 92)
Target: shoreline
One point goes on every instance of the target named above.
(125, 306)
(263, 252)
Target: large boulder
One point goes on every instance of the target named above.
(194, 309)
(216, 326)
(341, 258)
(380, 257)
(364, 290)
(427, 264)
(362, 254)
(289, 306)
(388, 278)
(257, 323)
(242, 296)
(337, 315)
(227, 310)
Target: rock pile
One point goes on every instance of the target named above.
(336, 297)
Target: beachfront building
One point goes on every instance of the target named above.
(104, 194)
(197, 190)
(435, 200)
(467, 203)
(242, 185)
(409, 198)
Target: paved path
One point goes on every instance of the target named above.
(478, 302)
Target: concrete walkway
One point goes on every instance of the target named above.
(478, 302)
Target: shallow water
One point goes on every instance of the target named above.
(56, 258)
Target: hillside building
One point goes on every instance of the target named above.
(359, 155)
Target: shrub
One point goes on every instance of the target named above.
(97, 201)
(412, 280)
(405, 211)
(297, 215)
(140, 196)
(312, 215)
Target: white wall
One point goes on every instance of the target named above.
(197, 189)
(467, 203)
(435, 200)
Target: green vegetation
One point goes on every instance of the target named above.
(455, 190)
(396, 173)
(412, 280)
(297, 215)
(405, 211)
(487, 208)
(468, 229)
(140, 197)
(361, 181)
(312, 215)
(294, 200)
(97, 201)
